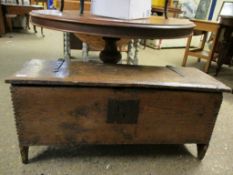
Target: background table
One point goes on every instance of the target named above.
(12, 11)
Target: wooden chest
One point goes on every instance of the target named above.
(93, 103)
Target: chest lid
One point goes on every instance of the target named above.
(58, 73)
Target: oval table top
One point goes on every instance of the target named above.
(152, 27)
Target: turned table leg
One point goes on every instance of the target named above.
(201, 150)
(34, 28)
(24, 153)
(110, 54)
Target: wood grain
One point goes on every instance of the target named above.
(41, 72)
(57, 104)
(153, 27)
(59, 115)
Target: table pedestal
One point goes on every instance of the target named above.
(110, 54)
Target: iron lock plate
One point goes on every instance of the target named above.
(122, 111)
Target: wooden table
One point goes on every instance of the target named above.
(87, 103)
(112, 29)
(19, 9)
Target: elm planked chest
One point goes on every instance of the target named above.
(56, 103)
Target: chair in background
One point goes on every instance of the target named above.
(9, 21)
(202, 28)
(19, 9)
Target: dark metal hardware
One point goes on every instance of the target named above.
(122, 111)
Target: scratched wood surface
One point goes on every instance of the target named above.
(152, 27)
(57, 103)
(77, 115)
(43, 72)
